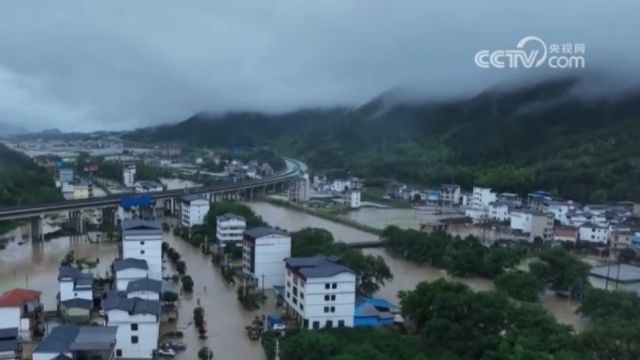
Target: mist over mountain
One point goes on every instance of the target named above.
(11, 129)
(544, 135)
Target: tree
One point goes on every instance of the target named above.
(520, 285)
(187, 284)
(198, 316)
(169, 296)
(626, 255)
(205, 353)
(181, 267)
(310, 345)
(561, 272)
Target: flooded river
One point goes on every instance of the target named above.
(406, 274)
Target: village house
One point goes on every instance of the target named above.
(263, 250)
(22, 309)
(230, 229)
(129, 269)
(72, 342)
(193, 210)
(593, 234)
(320, 292)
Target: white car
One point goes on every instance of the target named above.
(165, 352)
(279, 327)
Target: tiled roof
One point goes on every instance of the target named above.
(142, 227)
(78, 303)
(8, 333)
(144, 284)
(230, 216)
(317, 266)
(193, 197)
(263, 231)
(130, 263)
(58, 340)
(17, 297)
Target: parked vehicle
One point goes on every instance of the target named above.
(174, 345)
(165, 352)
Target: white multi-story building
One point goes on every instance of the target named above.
(339, 186)
(592, 233)
(230, 229)
(75, 284)
(142, 239)
(145, 186)
(144, 288)
(482, 197)
(129, 269)
(499, 210)
(520, 220)
(129, 175)
(264, 250)
(138, 322)
(353, 193)
(537, 224)
(320, 292)
(193, 210)
(450, 194)
(300, 189)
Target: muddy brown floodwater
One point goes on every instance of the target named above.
(406, 274)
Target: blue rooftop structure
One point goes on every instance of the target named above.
(130, 201)
(373, 312)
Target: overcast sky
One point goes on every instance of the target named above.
(86, 65)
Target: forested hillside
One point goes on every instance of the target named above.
(543, 136)
(22, 181)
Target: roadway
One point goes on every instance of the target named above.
(294, 167)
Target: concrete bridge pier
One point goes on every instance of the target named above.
(37, 231)
(109, 216)
(75, 219)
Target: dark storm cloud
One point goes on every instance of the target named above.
(84, 65)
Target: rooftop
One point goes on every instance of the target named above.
(17, 297)
(117, 301)
(193, 197)
(144, 284)
(317, 266)
(230, 216)
(8, 333)
(130, 263)
(626, 273)
(65, 338)
(142, 227)
(78, 303)
(264, 231)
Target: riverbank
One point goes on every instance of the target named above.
(324, 215)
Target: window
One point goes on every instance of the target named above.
(295, 300)
(329, 324)
(326, 298)
(295, 291)
(134, 339)
(333, 298)
(118, 352)
(301, 295)
(141, 242)
(288, 295)
(305, 323)
(316, 324)
(301, 306)
(334, 286)
(326, 309)
(288, 284)
(326, 286)
(333, 309)
(141, 252)
(134, 327)
(340, 323)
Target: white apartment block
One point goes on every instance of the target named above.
(230, 229)
(592, 233)
(142, 239)
(300, 189)
(138, 322)
(75, 284)
(193, 210)
(129, 269)
(482, 197)
(353, 193)
(536, 224)
(339, 186)
(499, 211)
(264, 250)
(320, 292)
(450, 194)
(129, 176)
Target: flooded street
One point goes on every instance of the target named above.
(406, 274)
(410, 218)
(225, 316)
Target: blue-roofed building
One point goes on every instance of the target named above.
(374, 312)
(77, 342)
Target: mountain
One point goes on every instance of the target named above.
(546, 135)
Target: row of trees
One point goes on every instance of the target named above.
(181, 267)
(460, 257)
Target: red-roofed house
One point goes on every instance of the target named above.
(21, 308)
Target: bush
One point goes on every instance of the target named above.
(169, 296)
(520, 285)
(187, 284)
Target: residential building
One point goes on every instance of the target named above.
(339, 186)
(82, 189)
(520, 220)
(193, 210)
(129, 175)
(320, 292)
(10, 344)
(541, 226)
(594, 234)
(300, 189)
(22, 309)
(138, 324)
(622, 277)
(230, 229)
(263, 250)
(77, 311)
(565, 233)
(353, 193)
(450, 195)
(499, 210)
(146, 186)
(65, 176)
(142, 239)
(129, 269)
(144, 288)
(374, 312)
(75, 284)
(77, 343)
(560, 209)
(482, 197)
